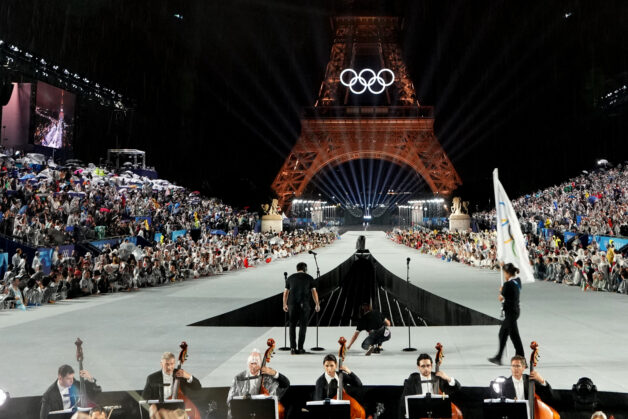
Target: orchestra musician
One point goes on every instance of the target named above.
(425, 381)
(248, 381)
(65, 391)
(516, 386)
(156, 381)
(327, 384)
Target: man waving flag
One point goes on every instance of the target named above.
(511, 246)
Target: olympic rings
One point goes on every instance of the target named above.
(358, 78)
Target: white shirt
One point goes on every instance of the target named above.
(519, 390)
(65, 396)
(168, 379)
(427, 386)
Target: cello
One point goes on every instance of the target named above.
(190, 408)
(538, 409)
(267, 355)
(357, 411)
(456, 413)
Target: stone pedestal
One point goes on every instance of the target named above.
(459, 222)
(272, 223)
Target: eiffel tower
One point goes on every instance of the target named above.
(345, 124)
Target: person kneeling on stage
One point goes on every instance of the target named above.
(425, 381)
(327, 384)
(516, 386)
(249, 383)
(65, 392)
(376, 325)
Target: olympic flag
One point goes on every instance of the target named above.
(511, 246)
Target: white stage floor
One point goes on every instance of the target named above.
(580, 334)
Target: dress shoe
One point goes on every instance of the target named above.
(495, 360)
(293, 351)
(301, 351)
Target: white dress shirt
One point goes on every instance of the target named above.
(168, 379)
(65, 396)
(427, 386)
(519, 390)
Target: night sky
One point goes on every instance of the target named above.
(219, 93)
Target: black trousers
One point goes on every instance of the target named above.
(510, 328)
(298, 314)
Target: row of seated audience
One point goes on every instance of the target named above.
(594, 203)
(51, 211)
(61, 205)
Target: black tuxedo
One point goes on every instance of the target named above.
(412, 385)
(322, 390)
(508, 389)
(151, 390)
(51, 400)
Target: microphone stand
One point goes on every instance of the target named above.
(318, 275)
(409, 348)
(285, 346)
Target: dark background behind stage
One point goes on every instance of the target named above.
(220, 87)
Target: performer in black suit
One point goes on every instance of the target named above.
(300, 290)
(425, 381)
(166, 375)
(509, 296)
(327, 384)
(65, 392)
(516, 386)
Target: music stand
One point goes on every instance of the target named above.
(67, 413)
(329, 409)
(257, 406)
(170, 404)
(428, 406)
(506, 409)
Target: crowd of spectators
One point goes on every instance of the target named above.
(594, 203)
(591, 204)
(68, 204)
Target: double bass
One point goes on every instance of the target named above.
(82, 402)
(190, 408)
(538, 409)
(357, 411)
(267, 355)
(456, 413)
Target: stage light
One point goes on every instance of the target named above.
(4, 397)
(568, 15)
(497, 385)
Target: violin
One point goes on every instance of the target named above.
(82, 402)
(267, 355)
(538, 409)
(190, 408)
(357, 411)
(438, 359)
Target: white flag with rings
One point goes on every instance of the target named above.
(511, 246)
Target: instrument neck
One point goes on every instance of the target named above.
(340, 385)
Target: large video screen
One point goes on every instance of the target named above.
(54, 117)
